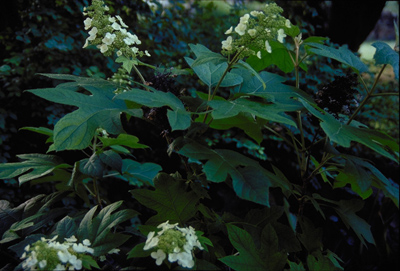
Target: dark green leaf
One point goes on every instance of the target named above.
(40, 164)
(170, 200)
(269, 111)
(112, 159)
(66, 227)
(92, 166)
(249, 257)
(250, 184)
(179, 119)
(135, 172)
(344, 134)
(347, 211)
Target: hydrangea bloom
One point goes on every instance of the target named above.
(173, 242)
(109, 34)
(255, 30)
(47, 254)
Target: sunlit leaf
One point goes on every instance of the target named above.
(386, 55)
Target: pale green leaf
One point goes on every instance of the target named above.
(386, 55)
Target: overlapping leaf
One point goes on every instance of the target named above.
(136, 173)
(170, 199)
(210, 74)
(178, 118)
(386, 55)
(76, 129)
(250, 181)
(344, 134)
(269, 111)
(342, 55)
(40, 164)
(98, 229)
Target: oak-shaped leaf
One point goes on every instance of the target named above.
(178, 117)
(250, 181)
(97, 110)
(344, 134)
(170, 200)
(342, 54)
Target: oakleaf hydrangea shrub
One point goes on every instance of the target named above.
(282, 219)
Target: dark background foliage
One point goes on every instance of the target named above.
(46, 36)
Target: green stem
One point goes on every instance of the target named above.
(369, 95)
(140, 76)
(230, 64)
(95, 187)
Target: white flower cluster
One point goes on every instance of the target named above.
(47, 254)
(109, 33)
(175, 242)
(255, 30)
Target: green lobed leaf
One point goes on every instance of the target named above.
(99, 110)
(279, 57)
(342, 55)
(252, 127)
(250, 181)
(170, 199)
(386, 55)
(40, 164)
(269, 111)
(347, 211)
(344, 134)
(135, 172)
(178, 118)
(249, 257)
(210, 74)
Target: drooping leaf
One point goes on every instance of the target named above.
(92, 166)
(99, 110)
(111, 159)
(310, 237)
(347, 211)
(179, 118)
(40, 164)
(342, 55)
(170, 199)
(136, 173)
(251, 182)
(210, 74)
(124, 140)
(249, 257)
(252, 127)
(386, 55)
(344, 134)
(269, 111)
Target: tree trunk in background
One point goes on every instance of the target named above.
(350, 22)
